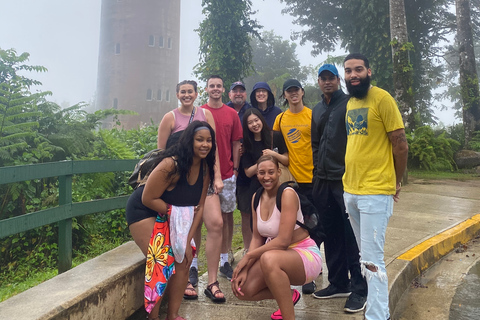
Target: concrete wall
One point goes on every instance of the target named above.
(109, 286)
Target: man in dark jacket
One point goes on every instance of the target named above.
(329, 140)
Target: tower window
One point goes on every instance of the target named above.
(169, 43)
(167, 96)
(149, 94)
(117, 48)
(159, 94)
(151, 41)
(115, 103)
(160, 42)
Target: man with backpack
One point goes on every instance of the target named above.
(329, 140)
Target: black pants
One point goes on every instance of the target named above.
(341, 250)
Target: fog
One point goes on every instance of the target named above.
(63, 36)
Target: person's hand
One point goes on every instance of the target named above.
(268, 152)
(240, 150)
(196, 209)
(237, 283)
(218, 185)
(396, 196)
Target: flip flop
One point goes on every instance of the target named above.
(211, 295)
(277, 315)
(190, 289)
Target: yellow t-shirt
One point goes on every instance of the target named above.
(369, 167)
(296, 130)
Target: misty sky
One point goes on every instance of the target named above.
(63, 36)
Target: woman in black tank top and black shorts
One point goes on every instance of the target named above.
(181, 178)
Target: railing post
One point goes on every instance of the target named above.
(65, 226)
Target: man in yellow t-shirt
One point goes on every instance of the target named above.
(375, 160)
(295, 124)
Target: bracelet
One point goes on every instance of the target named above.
(236, 169)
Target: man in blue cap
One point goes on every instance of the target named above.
(329, 140)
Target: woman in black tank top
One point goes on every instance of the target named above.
(181, 178)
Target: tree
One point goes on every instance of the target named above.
(402, 69)
(18, 107)
(468, 72)
(274, 61)
(225, 40)
(363, 26)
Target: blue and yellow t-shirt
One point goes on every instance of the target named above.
(296, 130)
(369, 167)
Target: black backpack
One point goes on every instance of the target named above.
(144, 167)
(310, 214)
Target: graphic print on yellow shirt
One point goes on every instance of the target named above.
(357, 122)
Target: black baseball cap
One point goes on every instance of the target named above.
(290, 83)
(237, 84)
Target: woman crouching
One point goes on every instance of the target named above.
(281, 253)
(174, 191)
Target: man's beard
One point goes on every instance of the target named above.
(359, 91)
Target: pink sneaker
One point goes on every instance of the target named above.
(277, 315)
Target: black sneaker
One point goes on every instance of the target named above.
(331, 292)
(193, 276)
(226, 271)
(309, 288)
(355, 303)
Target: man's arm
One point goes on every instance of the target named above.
(400, 155)
(236, 155)
(315, 140)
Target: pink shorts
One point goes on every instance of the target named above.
(311, 257)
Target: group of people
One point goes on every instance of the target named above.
(347, 156)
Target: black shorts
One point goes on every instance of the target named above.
(244, 199)
(136, 210)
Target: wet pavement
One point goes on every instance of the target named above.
(426, 208)
(448, 290)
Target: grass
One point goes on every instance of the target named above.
(24, 277)
(442, 175)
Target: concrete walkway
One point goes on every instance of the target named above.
(425, 210)
(431, 218)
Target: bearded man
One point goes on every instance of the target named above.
(375, 160)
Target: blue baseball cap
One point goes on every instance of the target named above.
(328, 67)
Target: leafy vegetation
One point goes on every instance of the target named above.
(225, 40)
(431, 151)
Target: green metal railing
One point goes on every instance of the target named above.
(66, 210)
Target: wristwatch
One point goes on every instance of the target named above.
(236, 169)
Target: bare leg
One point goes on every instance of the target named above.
(212, 217)
(271, 277)
(175, 289)
(246, 230)
(227, 232)
(141, 232)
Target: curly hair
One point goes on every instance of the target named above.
(182, 151)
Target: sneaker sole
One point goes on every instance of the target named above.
(224, 276)
(336, 295)
(355, 310)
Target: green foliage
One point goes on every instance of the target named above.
(474, 144)
(431, 151)
(363, 26)
(225, 40)
(274, 60)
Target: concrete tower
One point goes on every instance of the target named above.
(138, 58)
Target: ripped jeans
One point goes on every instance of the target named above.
(369, 215)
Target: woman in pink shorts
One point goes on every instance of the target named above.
(281, 253)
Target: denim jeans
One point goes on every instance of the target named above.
(369, 215)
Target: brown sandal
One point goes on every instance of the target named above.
(190, 289)
(212, 295)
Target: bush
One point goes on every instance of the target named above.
(431, 151)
